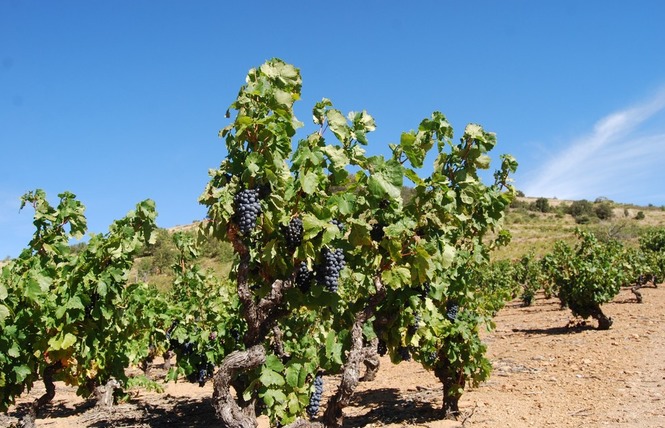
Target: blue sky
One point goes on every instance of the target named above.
(119, 101)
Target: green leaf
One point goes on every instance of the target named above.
(337, 156)
(270, 377)
(448, 255)
(318, 112)
(386, 178)
(294, 404)
(75, 303)
(293, 375)
(312, 226)
(396, 277)
(273, 395)
(14, 351)
(101, 288)
(309, 182)
(345, 203)
(273, 363)
(61, 341)
(4, 313)
(338, 125)
(482, 162)
(22, 372)
(37, 285)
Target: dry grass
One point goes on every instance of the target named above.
(537, 232)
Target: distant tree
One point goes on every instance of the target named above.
(519, 204)
(581, 208)
(582, 219)
(603, 210)
(640, 215)
(519, 194)
(542, 205)
(163, 252)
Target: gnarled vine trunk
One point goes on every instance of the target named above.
(28, 420)
(261, 316)
(371, 361)
(452, 380)
(227, 408)
(334, 416)
(604, 322)
(104, 393)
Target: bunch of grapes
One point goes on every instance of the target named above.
(341, 226)
(235, 334)
(413, 328)
(381, 348)
(327, 272)
(204, 371)
(404, 353)
(264, 190)
(94, 297)
(424, 289)
(304, 277)
(293, 233)
(452, 308)
(315, 397)
(377, 232)
(248, 209)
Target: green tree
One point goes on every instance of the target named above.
(603, 210)
(542, 205)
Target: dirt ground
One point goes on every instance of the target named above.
(549, 371)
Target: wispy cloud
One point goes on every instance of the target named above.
(617, 159)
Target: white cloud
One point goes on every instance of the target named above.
(618, 160)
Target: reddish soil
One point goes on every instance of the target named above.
(550, 370)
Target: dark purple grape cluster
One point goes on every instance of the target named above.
(293, 233)
(377, 232)
(327, 272)
(315, 397)
(248, 209)
(413, 328)
(452, 309)
(304, 277)
(424, 289)
(404, 353)
(381, 348)
(235, 334)
(204, 371)
(341, 226)
(264, 190)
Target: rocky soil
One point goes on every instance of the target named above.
(550, 370)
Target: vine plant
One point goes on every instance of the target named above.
(64, 313)
(331, 259)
